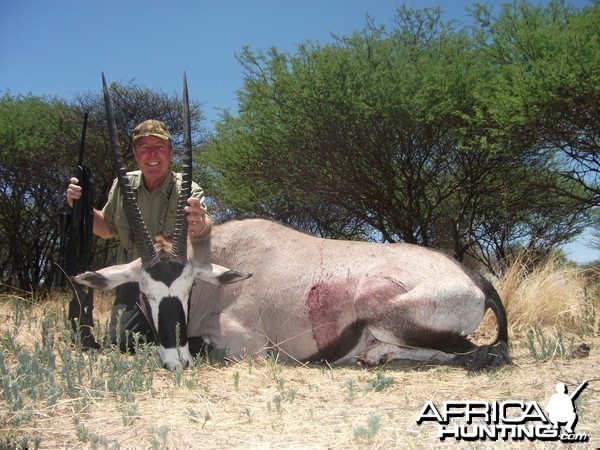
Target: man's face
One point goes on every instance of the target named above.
(153, 156)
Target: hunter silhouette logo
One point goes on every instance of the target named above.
(515, 420)
(561, 407)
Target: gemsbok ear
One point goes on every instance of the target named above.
(111, 277)
(218, 275)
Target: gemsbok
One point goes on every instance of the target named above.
(308, 299)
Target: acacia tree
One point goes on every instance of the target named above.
(389, 136)
(548, 73)
(39, 144)
(31, 156)
(545, 99)
(363, 128)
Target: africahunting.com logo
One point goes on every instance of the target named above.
(507, 420)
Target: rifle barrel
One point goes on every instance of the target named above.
(575, 394)
(82, 144)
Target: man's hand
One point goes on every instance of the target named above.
(73, 191)
(199, 223)
(100, 226)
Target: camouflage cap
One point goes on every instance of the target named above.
(151, 128)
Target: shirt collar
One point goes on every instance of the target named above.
(137, 180)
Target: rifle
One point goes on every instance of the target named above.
(76, 249)
(575, 394)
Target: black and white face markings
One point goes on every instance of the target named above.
(166, 287)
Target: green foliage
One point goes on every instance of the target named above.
(362, 433)
(284, 394)
(547, 61)
(288, 394)
(25, 126)
(423, 133)
(236, 381)
(542, 347)
(380, 383)
(158, 440)
(55, 370)
(31, 187)
(327, 127)
(350, 390)
(93, 440)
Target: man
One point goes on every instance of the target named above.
(157, 190)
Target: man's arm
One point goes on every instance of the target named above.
(101, 227)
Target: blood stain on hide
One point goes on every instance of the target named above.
(333, 318)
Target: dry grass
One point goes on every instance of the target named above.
(259, 403)
(552, 295)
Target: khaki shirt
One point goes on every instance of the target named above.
(158, 210)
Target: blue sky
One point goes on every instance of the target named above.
(59, 48)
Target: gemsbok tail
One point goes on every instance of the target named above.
(494, 355)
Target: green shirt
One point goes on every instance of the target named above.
(158, 210)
